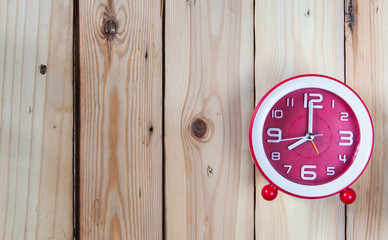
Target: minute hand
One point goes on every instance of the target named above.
(310, 119)
(296, 138)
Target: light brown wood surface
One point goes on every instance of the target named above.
(121, 119)
(297, 37)
(366, 32)
(167, 89)
(36, 120)
(208, 103)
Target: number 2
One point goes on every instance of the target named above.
(344, 116)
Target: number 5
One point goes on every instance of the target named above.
(330, 171)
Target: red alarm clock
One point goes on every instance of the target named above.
(311, 136)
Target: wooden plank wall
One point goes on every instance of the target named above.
(166, 91)
(366, 38)
(121, 119)
(36, 119)
(292, 38)
(208, 103)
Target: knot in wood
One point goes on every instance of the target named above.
(199, 128)
(209, 171)
(42, 69)
(110, 28)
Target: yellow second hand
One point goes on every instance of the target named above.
(315, 147)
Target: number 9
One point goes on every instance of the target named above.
(276, 133)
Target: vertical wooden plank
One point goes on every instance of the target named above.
(297, 37)
(36, 119)
(121, 119)
(209, 100)
(366, 30)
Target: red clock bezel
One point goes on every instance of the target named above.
(258, 107)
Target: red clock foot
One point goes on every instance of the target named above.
(269, 192)
(348, 196)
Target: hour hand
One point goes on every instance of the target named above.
(308, 137)
(297, 143)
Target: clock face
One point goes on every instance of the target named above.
(311, 136)
(330, 146)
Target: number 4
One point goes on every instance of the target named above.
(342, 158)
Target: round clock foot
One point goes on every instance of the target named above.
(348, 196)
(269, 192)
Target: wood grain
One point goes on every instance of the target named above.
(208, 103)
(297, 37)
(366, 72)
(121, 119)
(36, 176)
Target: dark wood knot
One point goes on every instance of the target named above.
(42, 69)
(110, 28)
(199, 128)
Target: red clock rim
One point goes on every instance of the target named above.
(254, 116)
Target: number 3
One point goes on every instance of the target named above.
(348, 138)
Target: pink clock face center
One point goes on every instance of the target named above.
(298, 128)
(311, 136)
